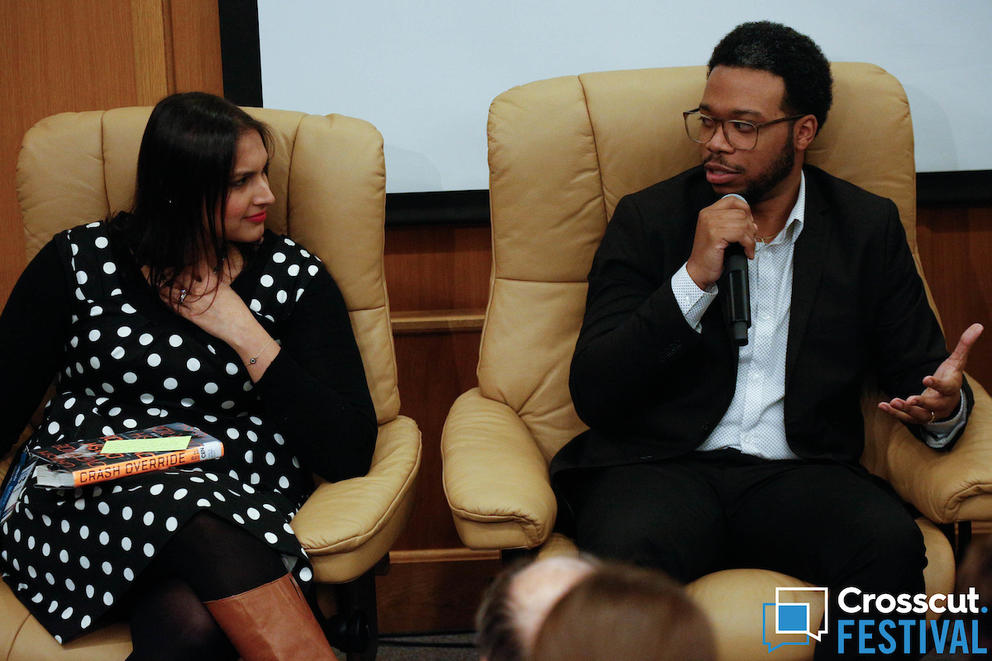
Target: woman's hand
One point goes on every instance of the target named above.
(206, 298)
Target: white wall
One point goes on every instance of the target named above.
(425, 72)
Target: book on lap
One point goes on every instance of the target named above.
(79, 463)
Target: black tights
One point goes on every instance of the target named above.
(207, 559)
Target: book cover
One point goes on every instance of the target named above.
(78, 463)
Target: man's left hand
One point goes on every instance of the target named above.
(942, 395)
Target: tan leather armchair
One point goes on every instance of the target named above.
(328, 177)
(562, 153)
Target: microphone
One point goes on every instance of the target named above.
(737, 303)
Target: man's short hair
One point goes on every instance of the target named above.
(496, 631)
(780, 50)
(516, 603)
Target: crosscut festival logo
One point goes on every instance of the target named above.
(875, 624)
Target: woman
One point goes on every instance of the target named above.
(186, 310)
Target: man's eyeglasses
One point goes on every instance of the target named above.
(740, 134)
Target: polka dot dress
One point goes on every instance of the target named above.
(70, 555)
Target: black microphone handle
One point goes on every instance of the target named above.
(739, 294)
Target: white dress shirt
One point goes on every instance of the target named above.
(755, 421)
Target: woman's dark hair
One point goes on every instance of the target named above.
(792, 56)
(625, 612)
(184, 168)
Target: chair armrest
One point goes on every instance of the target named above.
(341, 516)
(944, 486)
(495, 477)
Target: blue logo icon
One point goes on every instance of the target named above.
(795, 611)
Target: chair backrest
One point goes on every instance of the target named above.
(562, 152)
(327, 174)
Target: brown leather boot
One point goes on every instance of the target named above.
(272, 623)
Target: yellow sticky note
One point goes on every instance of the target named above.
(146, 445)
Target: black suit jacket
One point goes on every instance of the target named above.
(651, 387)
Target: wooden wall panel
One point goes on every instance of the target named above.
(955, 244)
(438, 267)
(75, 55)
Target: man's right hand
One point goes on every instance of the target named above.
(726, 221)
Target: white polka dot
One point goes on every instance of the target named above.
(278, 257)
(63, 556)
(219, 496)
(281, 296)
(253, 514)
(171, 524)
(84, 562)
(255, 305)
(180, 494)
(209, 418)
(124, 331)
(32, 572)
(109, 267)
(270, 459)
(81, 277)
(147, 398)
(278, 439)
(104, 538)
(126, 543)
(96, 311)
(187, 402)
(148, 518)
(247, 488)
(68, 404)
(79, 504)
(126, 513)
(252, 436)
(90, 591)
(269, 507)
(128, 574)
(107, 388)
(148, 549)
(175, 340)
(255, 420)
(85, 622)
(130, 377)
(37, 598)
(227, 405)
(306, 574)
(154, 360)
(305, 254)
(130, 423)
(284, 482)
(231, 369)
(145, 339)
(238, 518)
(95, 362)
(114, 412)
(74, 341)
(107, 568)
(203, 502)
(54, 606)
(103, 507)
(127, 308)
(69, 585)
(192, 364)
(170, 384)
(312, 269)
(67, 613)
(107, 430)
(79, 420)
(108, 598)
(232, 433)
(293, 270)
(271, 538)
(117, 353)
(247, 386)
(266, 280)
(210, 388)
(101, 242)
(255, 478)
(53, 427)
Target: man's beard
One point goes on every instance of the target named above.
(777, 171)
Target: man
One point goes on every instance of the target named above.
(517, 602)
(702, 456)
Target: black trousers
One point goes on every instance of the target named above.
(832, 525)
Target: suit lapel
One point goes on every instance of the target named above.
(808, 262)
